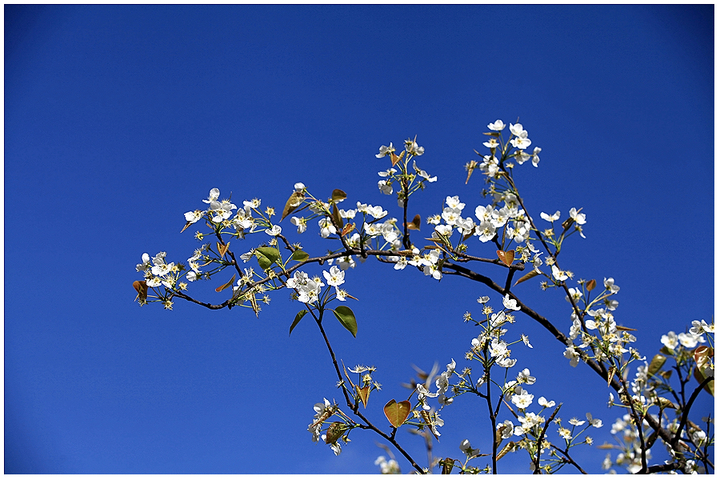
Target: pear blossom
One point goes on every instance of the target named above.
(496, 126)
(141, 267)
(387, 466)
(492, 143)
(688, 340)
(610, 285)
(575, 422)
(194, 216)
(517, 129)
(549, 218)
(577, 216)
(385, 150)
(535, 157)
(521, 141)
(385, 187)
(335, 277)
(543, 402)
(498, 348)
(490, 166)
(214, 194)
(454, 202)
(485, 231)
(326, 227)
(510, 303)
(413, 148)
(559, 275)
(527, 423)
(700, 327)
(670, 340)
(300, 223)
(595, 422)
(572, 355)
(467, 449)
(423, 174)
(274, 231)
(505, 429)
(525, 377)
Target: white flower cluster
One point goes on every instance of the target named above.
(160, 272)
(387, 466)
(490, 219)
(220, 211)
(691, 338)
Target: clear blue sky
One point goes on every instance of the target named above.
(118, 119)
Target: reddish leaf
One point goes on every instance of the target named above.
(506, 257)
(223, 287)
(141, 287)
(415, 224)
(397, 413)
(364, 394)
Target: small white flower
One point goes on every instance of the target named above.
(274, 231)
(559, 275)
(577, 216)
(572, 355)
(510, 303)
(548, 218)
(497, 125)
(467, 449)
(385, 150)
(595, 422)
(544, 403)
(670, 340)
(335, 277)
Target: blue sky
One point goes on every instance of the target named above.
(118, 119)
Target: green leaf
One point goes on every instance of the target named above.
(272, 253)
(656, 364)
(298, 317)
(293, 202)
(346, 318)
(337, 219)
(267, 256)
(300, 255)
(338, 195)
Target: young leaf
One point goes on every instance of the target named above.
(364, 394)
(141, 287)
(293, 202)
(222, 249)
(395, 158)
(300, 255)
(273, 254)
(334, 431)
(337, 219)
(656, 364)
(506, 257)
(267, 256)
(263, 261)
(223, 287)
(471, 167)
(397, 413)
(298, 317)
(347, 229)
(338, 195)
(415, 224)
(346, 318)
(527, 276)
